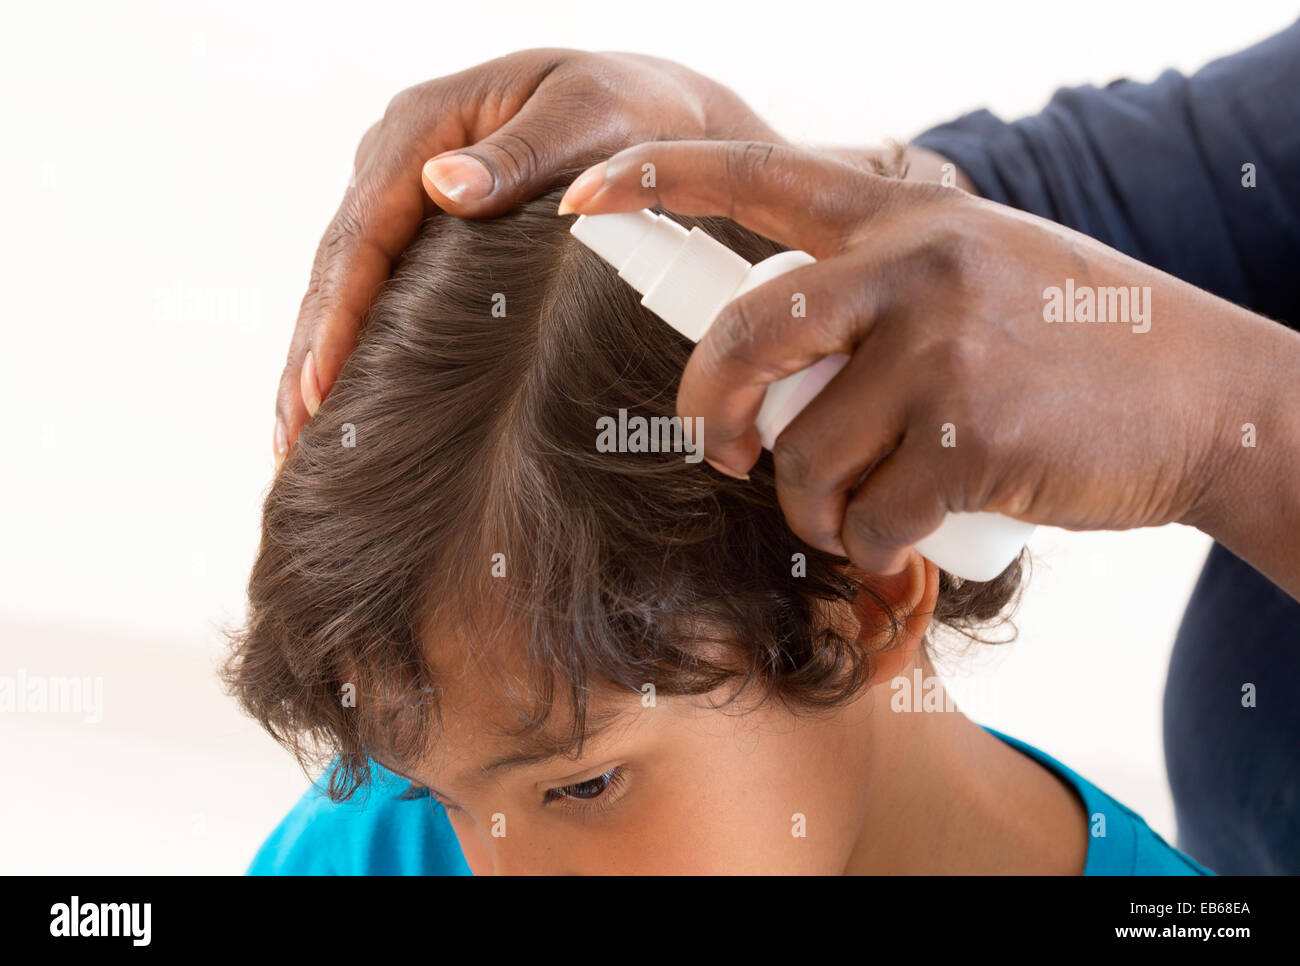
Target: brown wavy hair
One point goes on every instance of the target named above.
(474, 435)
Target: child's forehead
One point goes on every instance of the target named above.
(480, 670)
(491, 715)
(491, 694)
(482, 688)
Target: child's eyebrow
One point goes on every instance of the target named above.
(542, 746)
(536, 748)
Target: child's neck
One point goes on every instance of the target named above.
(947, 797)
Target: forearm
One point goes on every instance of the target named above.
(1252, 501)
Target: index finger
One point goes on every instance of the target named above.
(758, 339)
(800, 198)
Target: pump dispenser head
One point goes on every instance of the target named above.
(686, 277)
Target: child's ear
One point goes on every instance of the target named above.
(911, 594)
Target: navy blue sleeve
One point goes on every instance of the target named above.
(1157, 170)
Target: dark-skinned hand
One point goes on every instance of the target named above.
(939, 298)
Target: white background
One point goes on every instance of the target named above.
(167, 171)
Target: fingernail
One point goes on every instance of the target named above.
(461, 177)
(309, 385)
(583, 188)
(726, 472)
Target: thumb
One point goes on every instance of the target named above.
(525, 157)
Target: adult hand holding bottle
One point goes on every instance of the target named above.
(961, 395)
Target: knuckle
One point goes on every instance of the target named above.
(849, 219)
(977, 444)
(744, 162)
(738, 340)
(595, 76)
(403, 103)
(366, 145)
(793, 461)
(286, 393)
(732, 334)
(337, 246)
(983, 442)
(288, 385)
(343, 233)
(927, 193)
(517, 157)
(1016, 497)
(939, 255)
(935, 193)
(958, 360)
(755, 156)
(951, 254)
(869, 527)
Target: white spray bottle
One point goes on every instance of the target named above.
(687, 277)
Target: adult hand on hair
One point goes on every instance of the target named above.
(940, 299)
(492, 136)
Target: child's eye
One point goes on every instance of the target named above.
(421, 791)
(594, 793)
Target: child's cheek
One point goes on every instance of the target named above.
(478, 856)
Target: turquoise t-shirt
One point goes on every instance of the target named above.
(379, 833)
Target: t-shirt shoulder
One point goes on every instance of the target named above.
(1120, 842)
(376, 832)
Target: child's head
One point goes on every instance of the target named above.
(452, 572)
